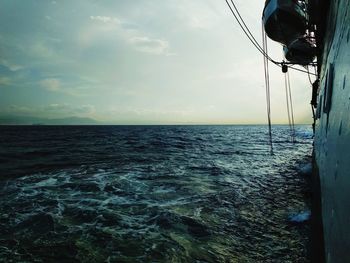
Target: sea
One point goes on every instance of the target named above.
(154, 194)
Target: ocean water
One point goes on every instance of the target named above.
(153, 194)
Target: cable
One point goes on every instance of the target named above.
(291, 107)
(251, 38)
(290, 110)
(249, 32)
(304, 71)
(267, 87)
(287, 100)
(246, 31)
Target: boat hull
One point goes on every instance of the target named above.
(300, 51)
(332, 133)
(284, 21)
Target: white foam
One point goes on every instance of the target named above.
(47, 182)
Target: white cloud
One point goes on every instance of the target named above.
(16, 109)
(148, 45)
(51, 84)
(10, 66)
(114, 29)
(55, 107)
(105, 19)
(85, 109)
(199, 15)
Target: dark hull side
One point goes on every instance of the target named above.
(332, 136)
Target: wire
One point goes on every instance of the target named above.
(246, 30)
(249, 32)
(251, 37)
(267, 87)
(287, 100)
(304, 71)
(292, 125)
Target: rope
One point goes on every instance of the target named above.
(267, 87)
(289, 101)
(291, 107)
(252, 38)
(235, 12)
(246, 30)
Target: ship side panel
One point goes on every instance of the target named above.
(332, 138)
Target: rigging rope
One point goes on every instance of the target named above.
(246, 30)
(290, 109)
(287, 100)
(235, 12)
(267, 87)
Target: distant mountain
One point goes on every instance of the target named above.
(30, 120)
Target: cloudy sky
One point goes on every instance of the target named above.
(139, 62)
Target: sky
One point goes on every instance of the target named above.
(140, 62)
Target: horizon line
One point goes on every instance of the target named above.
(160, 124)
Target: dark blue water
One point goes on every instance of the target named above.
(152, 194)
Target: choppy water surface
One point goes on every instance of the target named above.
(152, 194)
